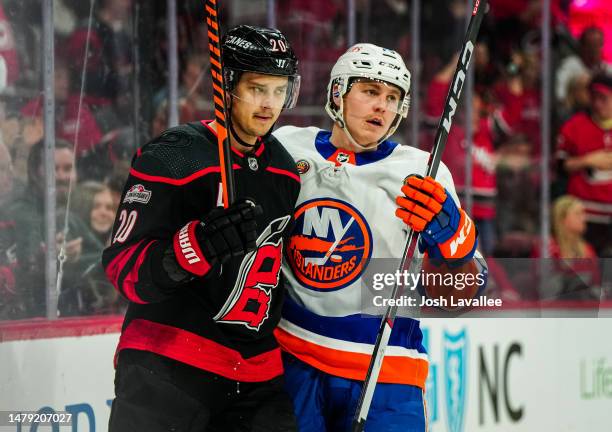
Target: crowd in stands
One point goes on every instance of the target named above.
(111, 97)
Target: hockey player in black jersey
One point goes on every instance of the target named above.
(196, 351)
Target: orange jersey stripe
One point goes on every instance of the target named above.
(395, 369)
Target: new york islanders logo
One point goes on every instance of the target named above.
(331, 244)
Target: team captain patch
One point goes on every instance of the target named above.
(330, 246)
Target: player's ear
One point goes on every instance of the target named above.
(228, 100)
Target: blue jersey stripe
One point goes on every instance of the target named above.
(358, 328)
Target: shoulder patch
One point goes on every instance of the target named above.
(137, 193)
(303, 166)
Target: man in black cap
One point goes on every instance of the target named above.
(196, 351)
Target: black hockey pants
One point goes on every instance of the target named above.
(157, 394)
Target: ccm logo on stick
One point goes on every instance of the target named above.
(458, 85)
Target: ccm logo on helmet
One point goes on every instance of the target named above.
(458, 85)
(390, 65)
(188, 252)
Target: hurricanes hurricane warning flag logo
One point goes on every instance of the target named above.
(331, 244)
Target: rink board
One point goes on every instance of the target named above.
(485, 374)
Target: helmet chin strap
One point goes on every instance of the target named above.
(237, 137)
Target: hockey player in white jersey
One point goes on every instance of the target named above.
(353, 180)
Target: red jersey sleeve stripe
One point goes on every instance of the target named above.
(131, 279)
(284, 172)
(117, 265)
(114, 268)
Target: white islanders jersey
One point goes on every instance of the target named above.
(345, 217)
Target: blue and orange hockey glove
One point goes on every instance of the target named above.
(446, 232)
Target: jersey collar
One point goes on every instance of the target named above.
(340, 156)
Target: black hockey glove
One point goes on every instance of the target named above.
(221, 235)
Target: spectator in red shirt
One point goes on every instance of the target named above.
(67, 116)
(584, 150)
(109, 67)
(512, 20)
(484, 185)
(318, 33)
(518, 96)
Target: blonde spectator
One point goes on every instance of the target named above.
(577, 98)
(569, 226)
(574, 272)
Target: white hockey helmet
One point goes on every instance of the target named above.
(369, 61)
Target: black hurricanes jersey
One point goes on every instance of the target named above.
(222, 322)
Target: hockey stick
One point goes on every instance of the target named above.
(386, 324)
(216, 71)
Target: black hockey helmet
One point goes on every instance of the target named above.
(261, 50)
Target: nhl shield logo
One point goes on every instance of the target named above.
(342, 158)
(455, 378)
(253, 164)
